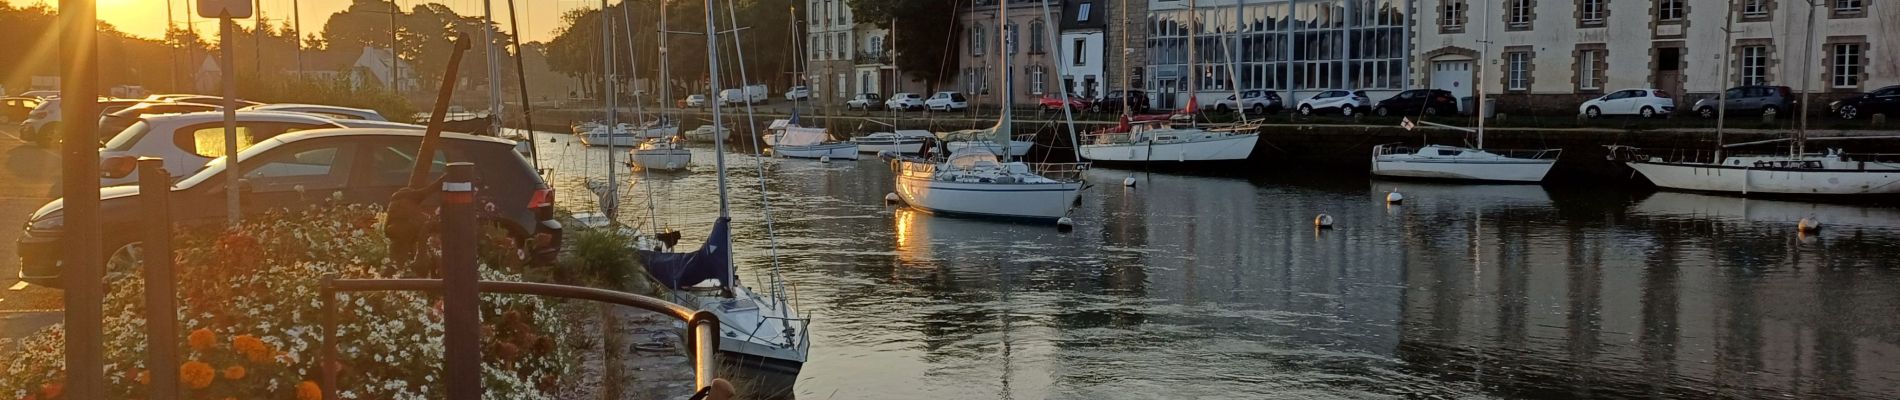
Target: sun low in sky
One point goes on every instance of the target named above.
(147, 18)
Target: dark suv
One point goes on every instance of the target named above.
(1884, 101)
(1418, 102)
(1112, 102)
(311, 167)
(1749, 100)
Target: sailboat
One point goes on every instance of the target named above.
(759, 330)
(790, 140)
(975, 181)
(902, 141)
(1459, 163)
(662, 153)
(1161, 139)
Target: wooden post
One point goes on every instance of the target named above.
(419, 175)
(161, 294)
(84, 266)
(461, 299)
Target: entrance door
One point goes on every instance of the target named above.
(1669, 71)
(1166, 98)
(1453, 76)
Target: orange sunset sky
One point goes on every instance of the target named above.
(147, 18)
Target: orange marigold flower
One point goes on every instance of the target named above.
(309, 391)
(234, 372)
(52, 390)
(196, 374)
(202, 339)
(145, 377)
(253, 349)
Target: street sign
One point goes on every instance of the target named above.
(224, 8)
(1407, 123)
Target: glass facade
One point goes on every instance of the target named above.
(1279, 45)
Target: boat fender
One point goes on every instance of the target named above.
(824, 159)
(1808, 225)
(1323, 221)
(1129, 181)
(1394, 197)
(891, 197)
(1065, 224)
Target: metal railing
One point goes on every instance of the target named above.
(1065, 172)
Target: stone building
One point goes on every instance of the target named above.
(1032, 56)
(1548, 56)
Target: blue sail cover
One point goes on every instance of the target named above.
(681, 270)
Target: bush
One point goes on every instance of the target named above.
(337, 92)
(249, 299)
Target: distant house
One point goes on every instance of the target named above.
(376, 62)
(208, 76)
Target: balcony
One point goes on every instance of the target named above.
(873, 58)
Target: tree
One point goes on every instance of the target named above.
(926, 34)
(422, 40)
(576, 48)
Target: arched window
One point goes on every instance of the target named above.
(976, 39)
(1036, 32)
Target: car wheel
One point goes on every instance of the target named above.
(1306, 109)
(1593, 112)
(1382, 111)
(126, 257)
(1850, 112)
(1223, 108)
(1431, 111)
(1259, 109)
(1347, 110)
(1647, 112)
(1707, 112)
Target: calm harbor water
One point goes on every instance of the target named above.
(1219, 287)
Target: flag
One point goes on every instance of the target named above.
(1407, 123)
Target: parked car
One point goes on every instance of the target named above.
(1111, 102)
(1254, 101)
(210, 100)
(309, 168)
(1884, 101)
(798, 93)
(1647, 103)
(905, 102)
(114, 122)
(947, 101)
(1748, 100)
(42, 124)
(864, 101)
(188, 141)
(326, 111)
(697, 100)
(1054, 103)
(753, 94)
(41, 94)
(1345, 102)
(1418, 102)
(16, 108)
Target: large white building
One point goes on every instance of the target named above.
(1297, 48)
(1082, 60)
(1547, 56)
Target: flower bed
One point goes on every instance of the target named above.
(248, 299)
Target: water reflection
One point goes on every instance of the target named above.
(1194, 287)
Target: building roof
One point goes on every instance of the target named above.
(1084, 14)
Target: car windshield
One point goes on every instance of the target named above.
(129, 137)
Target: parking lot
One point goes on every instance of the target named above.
(28, 179)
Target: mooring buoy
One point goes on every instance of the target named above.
(891, 197)
(1808, 225)
(1394, 197)
(1129, 181)
(824, 159)
(1323, 221)
(1065, 224)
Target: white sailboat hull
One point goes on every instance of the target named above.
(752, 324)
(900, 146)
(1045, 201)
(1017, 148)
(1221, 148)
(661, 159)
(1790, 181)
(836, 151)
(625, 138)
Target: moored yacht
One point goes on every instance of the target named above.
(1460, 163)
(901, 141)
(1833, 172)
(667, 154)
(1162, 141)
(790, 140)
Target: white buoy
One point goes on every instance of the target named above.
(824, 159)
(1808, 225)
(1129, 181)
(1065, 224)
(1394, 197)
(890, 197)
(1323, 221)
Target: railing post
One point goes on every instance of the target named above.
(705, 330)
(161, 293)
(326, 370)
(461, 300)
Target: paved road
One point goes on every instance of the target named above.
(28, 177)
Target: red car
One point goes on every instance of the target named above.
(1054, 103)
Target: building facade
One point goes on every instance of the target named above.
(830, 49)
(1548, 56)
(1296, 48)
(1024, 37)
(1081, 63)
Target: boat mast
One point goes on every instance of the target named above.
(732, 14)
(494, 67)
(1721, 98)
(719, 141)
(666, 71)
(1125, 52)
(765, 206)
(612, 205)
(1233, 76)
(1807, 81)
(521, 74)
(1003, 130)
(1194, 73)
(633, 62)
(1062, 69)
(1484, 54)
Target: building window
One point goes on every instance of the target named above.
(1587, 70)
(842, 89)
(828, 54)
(976, 40)
(1754, 65)
(812, 47)
(1517, 70)
(1519, 15)
(1591, 12)
(1847, 7)
(1082, 13)
(1036, 31)
(1847, 65)
(844, 46)
(1010, 41)
(1081, 51)
(1669, 10)
(1036, 80)
(1451, 15)
(877, 45)
(1754, 8)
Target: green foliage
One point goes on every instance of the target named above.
(576, 47)
(423, 38)
(338, 92)
(603, 258)
(926, 38)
